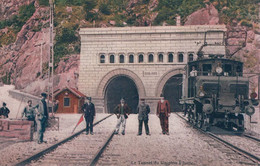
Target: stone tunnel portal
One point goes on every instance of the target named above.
(172, 91)
(121, 87)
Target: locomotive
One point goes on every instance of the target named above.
(217, 93)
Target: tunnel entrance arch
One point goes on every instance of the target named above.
(121, 87)
(172, 92)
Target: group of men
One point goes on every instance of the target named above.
(122, 112)
(38, 116)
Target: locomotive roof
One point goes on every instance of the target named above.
(213, 60)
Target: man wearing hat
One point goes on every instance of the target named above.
(4, 111)
(143, 111)
(163, 112)
(89, 113)
(42, 117)
(122, 111)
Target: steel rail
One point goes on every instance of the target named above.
(227, 144)
(251, 137)
(99, 153)
(52, 147)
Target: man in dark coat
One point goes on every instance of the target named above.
(4, 111)
(143, 111)
(42, 117)
(122, 111)
(163, 112)
(89, 113)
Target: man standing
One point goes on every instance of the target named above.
(42, 117)
(29, 112)
(122, 111)
(89, 114)
(143, 110)
(4, 111)
(163, 112)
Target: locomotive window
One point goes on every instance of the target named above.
(211, 88)
(228, 69)
(206, 69)
(240, 89)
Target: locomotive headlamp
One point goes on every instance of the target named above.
(219, 70)
(253, 95)
(207, 108)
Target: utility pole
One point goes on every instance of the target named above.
(51, 60)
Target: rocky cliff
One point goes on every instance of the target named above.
(22, 52)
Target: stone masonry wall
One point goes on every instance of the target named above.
(149, 77)
(21, 129)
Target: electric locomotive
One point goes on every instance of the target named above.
(217, 94)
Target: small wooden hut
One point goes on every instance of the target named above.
(70, 100)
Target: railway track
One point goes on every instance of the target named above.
(76, 149)
(252, 138)
(232, 142)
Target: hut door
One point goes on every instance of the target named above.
(75, 109)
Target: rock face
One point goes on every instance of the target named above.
(205, 16)
(20, 61)
(11, 7)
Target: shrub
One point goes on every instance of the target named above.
(246, 23)
(25, 12)
(43, 2)
(67, 36)
(104, 8)
(60, 50)
(89, 5)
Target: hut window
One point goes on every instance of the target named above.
(102, 58)
(121, 59)
(66, 102)
(170, 57)
(141, 58)
(180, 58)
(112, 59)
(160, 57)
(131, 58)
(150, 58)
(190, 57)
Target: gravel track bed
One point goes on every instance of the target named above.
(16, 151)
(80, 150)
(184, 146)
(244, 143)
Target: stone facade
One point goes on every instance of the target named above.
(148, 55)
